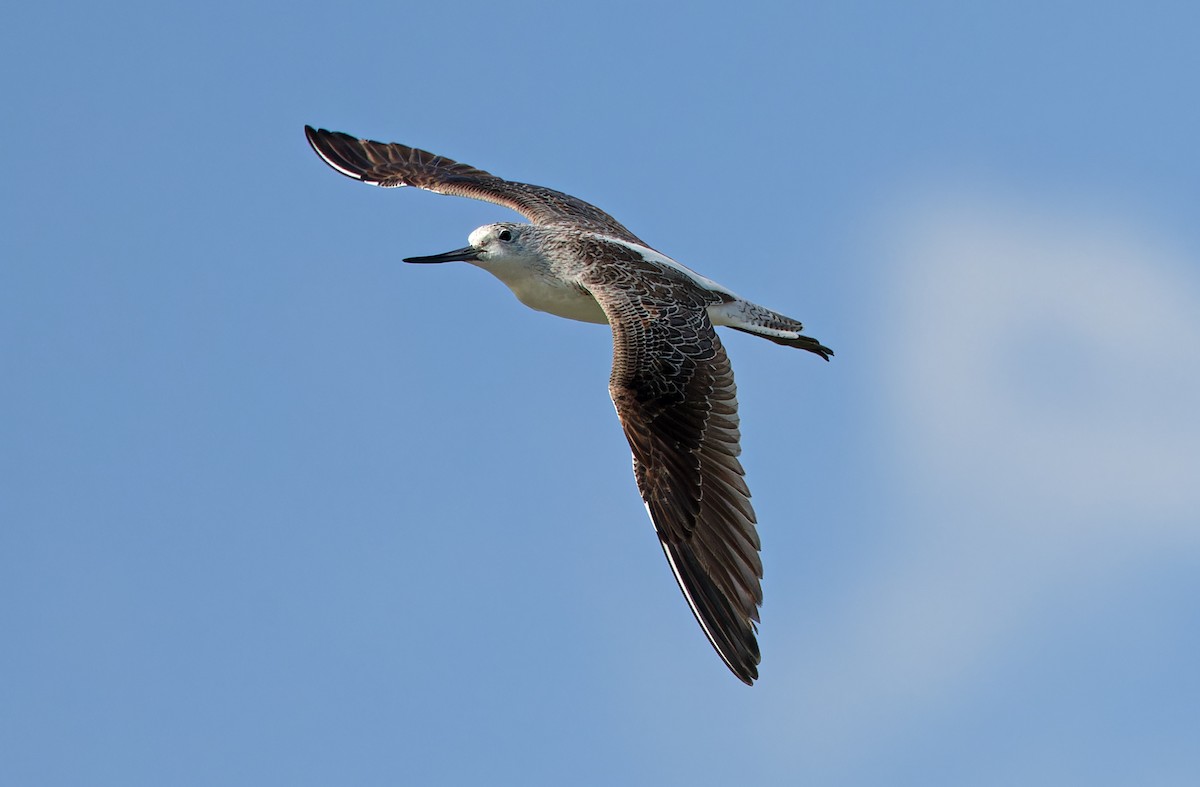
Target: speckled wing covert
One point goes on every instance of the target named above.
(390, 165)
(673, 389)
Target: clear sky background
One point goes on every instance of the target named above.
(279, 509)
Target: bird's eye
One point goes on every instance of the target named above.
(505, 235)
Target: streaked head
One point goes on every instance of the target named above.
(489, 243)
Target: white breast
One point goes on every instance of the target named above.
(537, 289)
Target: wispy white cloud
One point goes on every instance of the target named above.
(1042, 378)
(1056, 357)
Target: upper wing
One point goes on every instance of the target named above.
(674, 393)
(389, 165)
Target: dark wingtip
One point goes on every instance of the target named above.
(313, 135)
(729, 630)
(340, 151)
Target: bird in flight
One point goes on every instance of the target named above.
(671, 381)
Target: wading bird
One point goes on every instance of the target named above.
(671, 380)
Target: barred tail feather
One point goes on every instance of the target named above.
(751, 318)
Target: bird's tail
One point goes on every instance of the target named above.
(742, 315)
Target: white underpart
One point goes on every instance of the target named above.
(533, 285)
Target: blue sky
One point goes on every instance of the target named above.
(279, 509)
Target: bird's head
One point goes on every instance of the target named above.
(490, 243)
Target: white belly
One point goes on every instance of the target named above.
(550, 295)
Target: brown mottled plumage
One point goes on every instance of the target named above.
(671, 381)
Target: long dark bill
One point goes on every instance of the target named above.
(466, 254)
